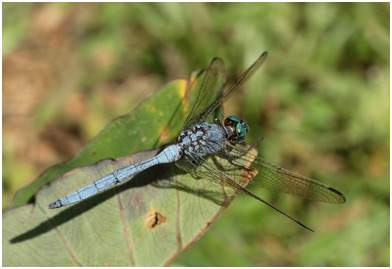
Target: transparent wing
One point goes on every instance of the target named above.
(237, 85)
(193, 163)
(275, 178)
(218, 170)
(209, 90)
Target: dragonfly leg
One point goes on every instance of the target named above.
(254, 144)
(251, 147)
(231, 161)
(246, 150)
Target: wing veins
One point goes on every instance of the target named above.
(290, 182)
(228, 181)
(237, 85)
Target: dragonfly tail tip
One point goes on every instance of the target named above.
(54, 205)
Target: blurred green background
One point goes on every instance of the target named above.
(321, 102)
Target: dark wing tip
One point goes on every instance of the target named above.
(216, 60)
(343, 199)
(217, 64)
(262, 58)
(303, 225)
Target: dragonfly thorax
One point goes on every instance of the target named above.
(206, 138)
(239, 129)
(203, 139)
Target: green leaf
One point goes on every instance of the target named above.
(147, 221)
(155, 122)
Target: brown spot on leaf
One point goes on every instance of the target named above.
(154, 219)
(150, 108)
(164, 134)
(247, 176)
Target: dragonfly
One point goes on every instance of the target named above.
(200, 139)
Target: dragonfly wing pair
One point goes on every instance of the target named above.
(212, 89)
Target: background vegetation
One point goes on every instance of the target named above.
(321, 102)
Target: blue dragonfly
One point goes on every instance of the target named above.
(199, 140)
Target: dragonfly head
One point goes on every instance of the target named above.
(239, 128)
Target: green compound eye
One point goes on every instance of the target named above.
(234, 118)
(240, 128)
